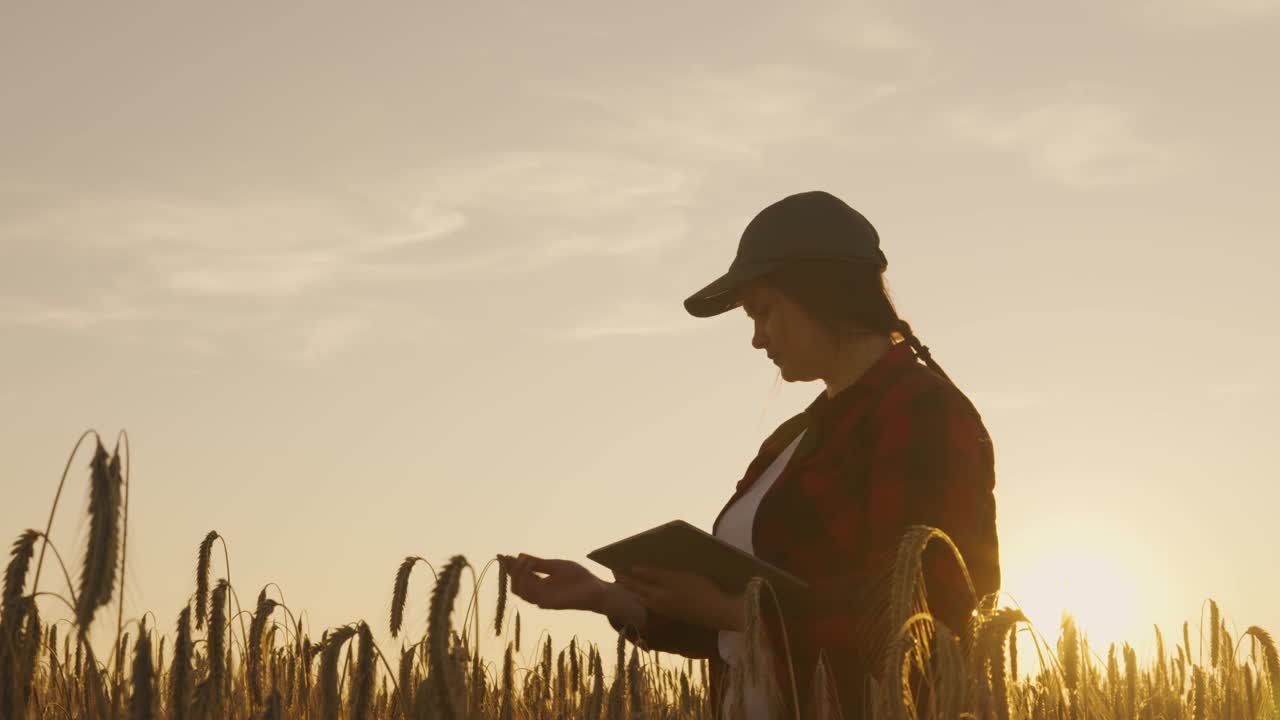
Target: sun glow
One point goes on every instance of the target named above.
(1093, 585)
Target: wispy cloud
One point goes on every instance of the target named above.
(553, 183)
(257, 247)
(551, 206)
(713, 113)
(632, 236)
(1081, 143)
(219, 264)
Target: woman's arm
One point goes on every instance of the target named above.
(651, 630)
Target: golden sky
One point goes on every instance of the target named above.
(369, 283)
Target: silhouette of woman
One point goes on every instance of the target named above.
(890, 443)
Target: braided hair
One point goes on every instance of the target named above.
(848, 298)
(921, 350)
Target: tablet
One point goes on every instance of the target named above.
(677, 545)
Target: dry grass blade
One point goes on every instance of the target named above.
(825, 701)
(575, 669)
(97, 579)
(761, 663)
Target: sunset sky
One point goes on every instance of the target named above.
(365, 283)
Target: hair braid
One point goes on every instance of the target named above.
(921, 350)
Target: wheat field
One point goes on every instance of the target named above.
(214, 658)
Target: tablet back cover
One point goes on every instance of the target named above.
(678, 545)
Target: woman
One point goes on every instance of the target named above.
(890, 443)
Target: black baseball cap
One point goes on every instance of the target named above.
(813, 224)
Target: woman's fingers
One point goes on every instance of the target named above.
(517, 571)
(648, 592)
(545, 566)
(525, 573)
(520, 570)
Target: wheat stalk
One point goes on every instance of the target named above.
(15, 579)
(203, 555)
(439, 662)
(327, 673)
(217, 650)
(400, 593)
(1214, 638)
(97, 579)
(180, 680)
(950, 672)
(361, 693)
(261, 614)
(1271, 658)
(503, 580)
(142, 699)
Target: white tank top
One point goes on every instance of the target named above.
(735, 529)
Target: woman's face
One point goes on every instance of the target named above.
(793, 338)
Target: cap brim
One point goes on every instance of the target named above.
(721, 294)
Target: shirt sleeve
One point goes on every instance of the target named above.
(931, 464)
(666, 634)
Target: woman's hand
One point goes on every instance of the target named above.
(568, 585)
(685, 596)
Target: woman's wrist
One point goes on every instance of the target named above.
(616, 602)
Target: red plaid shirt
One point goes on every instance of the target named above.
(900, 446)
